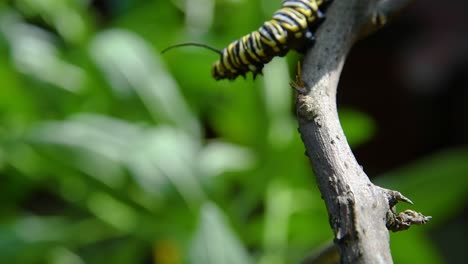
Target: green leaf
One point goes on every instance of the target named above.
(129, 65)
(214, 241)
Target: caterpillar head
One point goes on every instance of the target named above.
(222, 69)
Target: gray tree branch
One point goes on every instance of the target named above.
(360, 213)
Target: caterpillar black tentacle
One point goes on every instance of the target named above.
(291, 27)
(192, 44)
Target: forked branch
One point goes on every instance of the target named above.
(360, 213)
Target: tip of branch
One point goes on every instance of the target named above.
(400, 197)
(406, 219)
(394, 197)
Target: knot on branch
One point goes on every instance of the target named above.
(404, 220)
(306, 108)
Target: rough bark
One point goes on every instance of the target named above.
(360, 212)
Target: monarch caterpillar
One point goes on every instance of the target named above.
(291, 27)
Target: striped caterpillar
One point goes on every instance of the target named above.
(291, 27)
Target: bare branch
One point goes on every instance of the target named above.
(359, 211)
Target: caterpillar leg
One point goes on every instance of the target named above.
(257, 73)
(283, 52)
(306, 42)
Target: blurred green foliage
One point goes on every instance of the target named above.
(111, 153)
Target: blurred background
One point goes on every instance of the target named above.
(110, 152)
